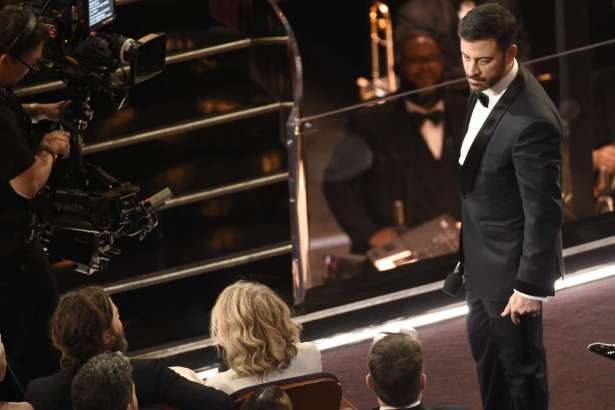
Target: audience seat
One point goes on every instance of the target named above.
(320, 391)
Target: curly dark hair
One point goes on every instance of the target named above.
(103, 383)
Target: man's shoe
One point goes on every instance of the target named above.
(603, 349)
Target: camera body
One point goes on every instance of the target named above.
(84, 210)
(87, 57)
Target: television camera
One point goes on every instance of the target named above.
(84, 210)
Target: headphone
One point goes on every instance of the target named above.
(26, 32)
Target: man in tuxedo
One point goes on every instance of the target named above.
(511, 212)
(396, 375)
(404, 151)
(87, 323)
(395, 363)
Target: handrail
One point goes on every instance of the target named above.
(182, 128)
(210, 265)
(297, 185)
(225, 190)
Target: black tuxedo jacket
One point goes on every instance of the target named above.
(511, 197)
(384, 158)
(154, 383)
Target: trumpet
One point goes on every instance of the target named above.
(381, 37)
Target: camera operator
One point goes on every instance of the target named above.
(28, 292)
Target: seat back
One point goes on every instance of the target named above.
(320, 391)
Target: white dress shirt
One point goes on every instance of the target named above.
(416, 403)
(433, 134)
(480, 113)
(478, 118)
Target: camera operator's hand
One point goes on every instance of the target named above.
(58, 141)
(49, 111)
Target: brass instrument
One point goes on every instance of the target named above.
(381, 36)
(398, 214)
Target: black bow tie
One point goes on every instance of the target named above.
(483, 98)
(435, 116)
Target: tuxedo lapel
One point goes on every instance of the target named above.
(466, 124)
(469, 107)
(472, 162)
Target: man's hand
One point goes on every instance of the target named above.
(383, 236)
(519, 305)
(49, 111)
(604, 158)
(58, 141)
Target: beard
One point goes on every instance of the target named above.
(487, 83)
(119, 344)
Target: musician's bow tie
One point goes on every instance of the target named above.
(483, 98)
(435, 116)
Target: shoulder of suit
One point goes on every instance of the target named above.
(50, 392)
(51, 381)
(535, 104)
(376, 116)
(149, 363)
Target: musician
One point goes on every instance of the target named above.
(403, 151)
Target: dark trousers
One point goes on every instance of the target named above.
(510, 359)
(28, 295)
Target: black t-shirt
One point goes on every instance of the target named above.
(17, 148)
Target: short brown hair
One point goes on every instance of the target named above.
(78, 324)
(396, 364)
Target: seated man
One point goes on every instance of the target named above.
(396, 375)
(87, 323)
(404, 152)
(104, 383)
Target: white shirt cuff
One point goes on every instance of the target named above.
(540, 298)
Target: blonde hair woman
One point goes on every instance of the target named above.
(260, 341)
